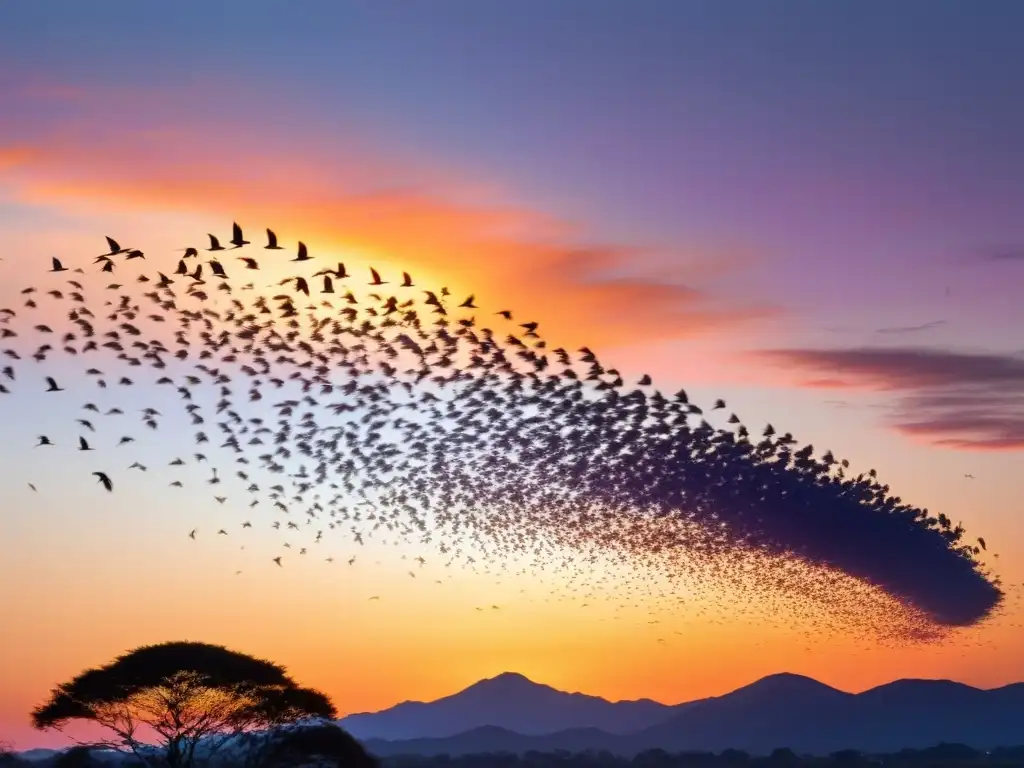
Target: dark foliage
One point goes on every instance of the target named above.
(941, 756)
(323, 745)
(8, 756)
(77, 757)
(328, 746)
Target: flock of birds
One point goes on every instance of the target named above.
(360, 406)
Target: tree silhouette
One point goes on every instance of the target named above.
(8, 757)
(322, 745)
(178, 695)
(76, 757)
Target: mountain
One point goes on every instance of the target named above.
(782, 710)
(491, 738)
(512, 702)
(752, 717)
(38, 754)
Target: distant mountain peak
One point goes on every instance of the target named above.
(787, 685)
(790, 681)
(512, 701)
(506, 683)
(509, 678)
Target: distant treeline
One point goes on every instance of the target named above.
(942, 756)
(935, 757)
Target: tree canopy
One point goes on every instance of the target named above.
(171, 697)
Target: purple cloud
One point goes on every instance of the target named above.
(971, 401)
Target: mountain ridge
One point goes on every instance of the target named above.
(510, 700)
(780, 710)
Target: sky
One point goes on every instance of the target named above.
(817, 214)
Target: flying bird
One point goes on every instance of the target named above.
(272, 241)
(236, 236)
(102, 478)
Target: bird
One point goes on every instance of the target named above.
(52, 385)
(236, 236)
(272, 241)
(215, 244)
(102, 478)
(303, 254)
(57, 266)
(115, 248)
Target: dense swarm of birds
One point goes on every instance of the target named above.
(357, 406)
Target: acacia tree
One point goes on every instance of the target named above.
(160, 702)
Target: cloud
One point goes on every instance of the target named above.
(343, 193)
(970, 401)
(898, 329)
(1003, 253)
(14, 156)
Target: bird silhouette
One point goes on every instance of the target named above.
(272, 241)
(236, 236)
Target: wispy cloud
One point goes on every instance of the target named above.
(341, 193)
(1002, 253)
(898, 329)
(955, 399)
